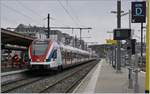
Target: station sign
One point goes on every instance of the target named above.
(110, 41)
(138, 12)
(122, 34)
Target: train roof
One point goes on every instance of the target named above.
(67, 47)
(73, 49)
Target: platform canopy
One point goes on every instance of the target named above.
(13, 38)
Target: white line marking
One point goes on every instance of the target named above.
(81, 83)
(13, 72)
(91, 80)
(92, 83)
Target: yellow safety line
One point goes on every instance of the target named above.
(147, 47)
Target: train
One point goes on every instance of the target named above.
(49, 54)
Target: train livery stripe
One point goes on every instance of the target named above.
(50, 56)
(47, 50)
(30, 52)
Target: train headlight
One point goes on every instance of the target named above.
(29, 60)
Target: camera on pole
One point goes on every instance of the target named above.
(133, 44)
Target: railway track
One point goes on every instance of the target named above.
(60, 83)
(12, 81)
(23, 81)
(18, 83)
(10, 77)
(65, 88)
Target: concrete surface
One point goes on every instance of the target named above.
(104, 79)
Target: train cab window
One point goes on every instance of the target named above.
(39, 47)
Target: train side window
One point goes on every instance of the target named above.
(63, 53)
(54, 56)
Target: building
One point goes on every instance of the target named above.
(34, 31)
(57, 35)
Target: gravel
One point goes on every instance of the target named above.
(48, 80)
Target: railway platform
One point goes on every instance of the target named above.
(10, 69)
(7, 67)
(104, 79)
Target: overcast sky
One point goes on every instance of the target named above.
(74, 13)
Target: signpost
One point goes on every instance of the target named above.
(112, 43)
(139, 16)
(131, 46)
(133, 43)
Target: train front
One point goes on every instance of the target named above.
(38, 51)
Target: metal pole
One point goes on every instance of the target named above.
(136, 90)
(80, 37)
(118, 14)
(112, 55)
(115, 56)
(147, 47)
(48, 25)
(118, 26)
(136, 84)
(129, 57)
(130, 76)
(74, 41)
(142, 44)
(129, 18)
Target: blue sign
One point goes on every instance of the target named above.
(139, 12)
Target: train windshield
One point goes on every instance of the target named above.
(39, 47)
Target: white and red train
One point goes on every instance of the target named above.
(49, 54)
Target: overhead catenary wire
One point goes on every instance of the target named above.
(18, 12)
(31, 10)
(68, 13)
(25, 7)
(8, 23)
(75, 14)
(55, 20)
(7, 19)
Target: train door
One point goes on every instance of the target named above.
(59, 57)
